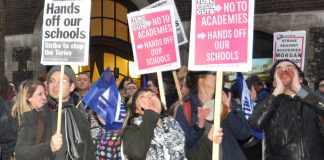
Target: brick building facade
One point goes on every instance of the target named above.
(20, 23)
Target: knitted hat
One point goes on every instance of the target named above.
(68, 71)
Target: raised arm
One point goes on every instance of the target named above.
(137, 139)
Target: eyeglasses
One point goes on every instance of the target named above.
(53, 82)
(321, 85)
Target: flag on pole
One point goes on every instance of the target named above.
(246, 101)
(103, 98)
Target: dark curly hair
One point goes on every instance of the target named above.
(273, 69)
(131, 108)
(192, 79)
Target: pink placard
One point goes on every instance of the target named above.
(154, 43)
(222, 32)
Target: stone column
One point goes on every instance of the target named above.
(2, 34)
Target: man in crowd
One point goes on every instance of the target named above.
(83, 83)
(320, 87)
(290, 117)
(258, 86)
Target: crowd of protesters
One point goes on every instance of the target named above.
(289, 114)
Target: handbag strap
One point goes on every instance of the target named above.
(40, 127)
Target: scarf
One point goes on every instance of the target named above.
(168, 141)
(72, 134)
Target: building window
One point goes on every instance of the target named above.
(109, 40)
(109, 18)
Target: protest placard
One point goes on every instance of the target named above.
(221, 35)
(65, 38)
(154, 40)
(182, 38)
(290, 45)
(221, 39)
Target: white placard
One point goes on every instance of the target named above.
(182, 39)
(290, 45)
(65, 38)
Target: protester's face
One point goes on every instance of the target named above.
(286, 72)
(148, 100)
(127, 82)
(54, 86)
(321, 86)
(83, 82)
(151, 86)
(208, 81)
(131, 89)
(38, 99)
(184, 89)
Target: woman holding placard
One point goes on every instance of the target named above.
(150, 133)
(235, 126)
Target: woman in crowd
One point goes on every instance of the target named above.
(154, 86)
(235, 126)
(122, 86)
(31, 96)
(6, 92)
(130, 89)
(150, 133)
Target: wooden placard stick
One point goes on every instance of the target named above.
(217, 110)
(161, 88)
(176, 81)
(59, 111)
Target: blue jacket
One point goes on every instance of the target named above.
(235, 126)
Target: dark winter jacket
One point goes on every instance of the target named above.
(8, 132)
(292, 126)
(27, 149)
(235, 126)
(137, 140)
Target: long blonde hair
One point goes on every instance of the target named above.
(26, 90)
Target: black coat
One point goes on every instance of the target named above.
(26, 149)
(291, 125)
(8, 132)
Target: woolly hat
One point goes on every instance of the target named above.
(67, 71)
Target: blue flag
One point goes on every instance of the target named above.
(103, 98)
(246, 101)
